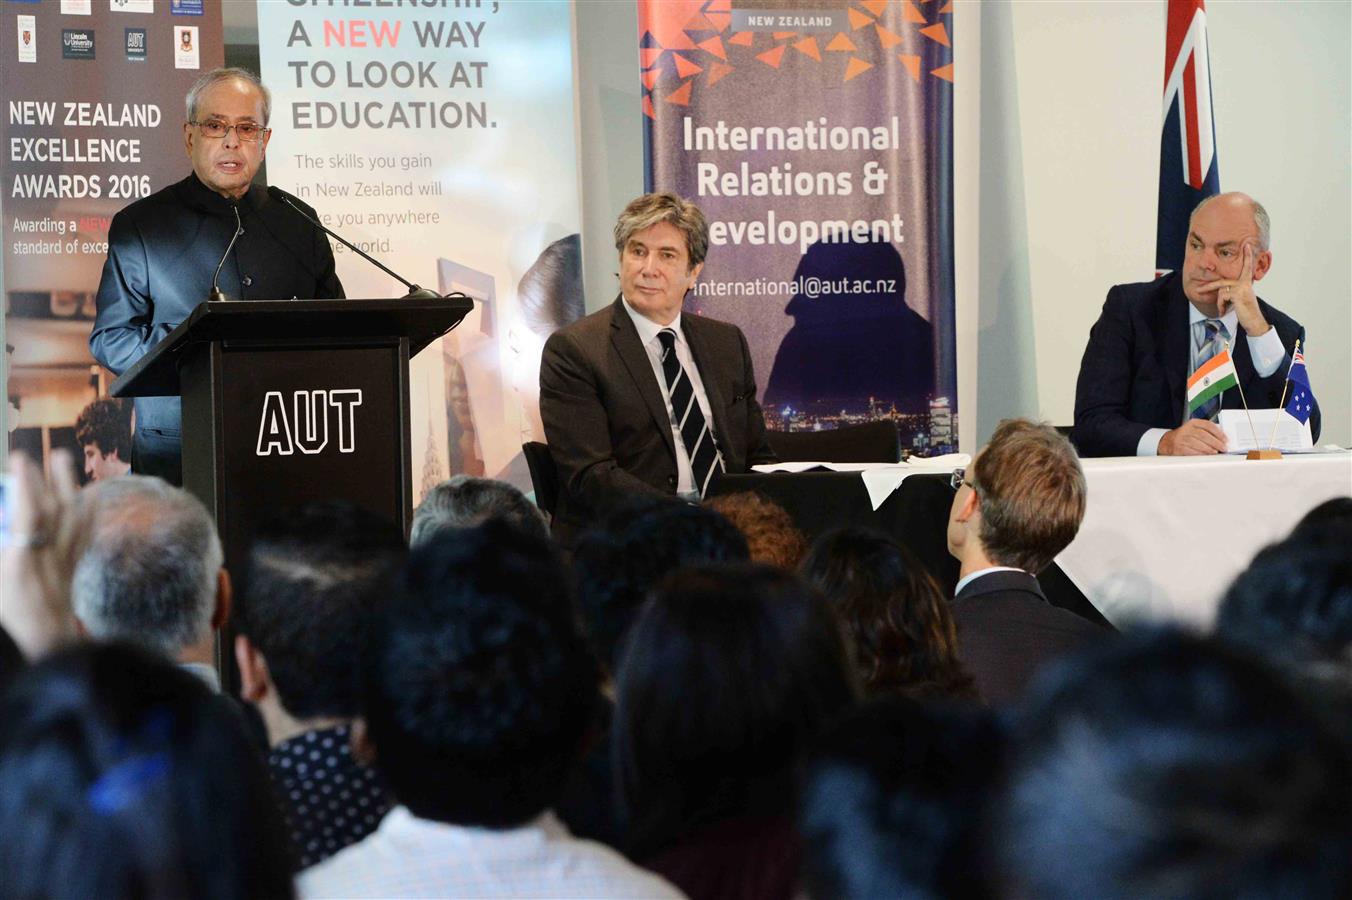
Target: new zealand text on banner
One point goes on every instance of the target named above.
(817, 138)
(440, 139)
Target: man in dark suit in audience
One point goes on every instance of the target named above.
(1131, 397)
(639, 397)
(1017, 506)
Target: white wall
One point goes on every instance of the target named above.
(1057, 126)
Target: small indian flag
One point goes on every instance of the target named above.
(1211, 378)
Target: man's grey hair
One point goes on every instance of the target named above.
(463, 501)
(1261, 220)
(215, 76)
(149, 566)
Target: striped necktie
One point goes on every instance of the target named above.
(1209, 336)
(695, 434)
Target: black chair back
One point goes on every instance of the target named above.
(544, 477)
(864, 443)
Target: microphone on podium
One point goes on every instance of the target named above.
(415, 292)
(216, 293)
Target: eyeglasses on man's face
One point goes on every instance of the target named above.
(245, 131)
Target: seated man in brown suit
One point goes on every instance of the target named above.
(1018, 505)
(640, 397)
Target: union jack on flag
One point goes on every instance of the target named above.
(1301, 403)
(1188, 169)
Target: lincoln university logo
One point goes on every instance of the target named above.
(307, 427)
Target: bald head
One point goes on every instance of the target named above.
(1235, 202)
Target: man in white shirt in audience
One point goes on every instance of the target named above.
(478, 697)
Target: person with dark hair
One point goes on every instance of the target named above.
(122, 776)
(629, 551)
(1015, 507)
(1328, 523)
(1294, 601)
(302, 610)
(729, 674)
(11, 659)
(462, 501)
(770, 534)
(1167, 765)
(478, 695)
(894, 614)
(103, 431)
(895, 802)
(640, 397)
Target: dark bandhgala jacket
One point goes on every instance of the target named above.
(162, 252)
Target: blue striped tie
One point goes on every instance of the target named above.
(1210, 336)
(689, 418)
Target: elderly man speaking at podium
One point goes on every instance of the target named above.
(164, 250)
(1131, 397)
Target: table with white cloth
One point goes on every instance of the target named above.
(1162, 537)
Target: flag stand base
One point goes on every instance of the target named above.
(1264, 454)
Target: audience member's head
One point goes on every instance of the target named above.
(894, 614)
(631, 549)
(895, 799)
(1293, 602)
(149, 570)
(550, 294)
(12, 661)
(303, 606)
(771, 536)
(122, 776)
(1328, 523)
(462, 501)
(730, 672)
(1167, 765)
(477, 689)
(103, 431)
(1021, 501)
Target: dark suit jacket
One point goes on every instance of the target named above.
(1007, 630)
(162, 252)
(1135, 370)
(606, 418)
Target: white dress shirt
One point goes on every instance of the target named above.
(1266, 351)
(412, 857)
(647, 335)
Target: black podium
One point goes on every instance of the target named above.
(287, 402)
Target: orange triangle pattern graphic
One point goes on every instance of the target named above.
(887, 38)
(858, 20)
(944, 72)
(650, 77)
(684, 67)
(719, 6)
(742, 38)
(937, 33)
(648, 56)
(856, 67)
(717, 71)
(946, 8)
(808, 47)
(681, 96)
(874, 6)
(912, 64)
(772, 57)
(784, 35)
(909, 13)
(648, 107)
(714, 45)
(841, 42)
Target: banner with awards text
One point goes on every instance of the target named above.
(93, 113)
(440, 139)
(816, 135)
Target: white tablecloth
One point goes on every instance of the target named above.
(1163, 537)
